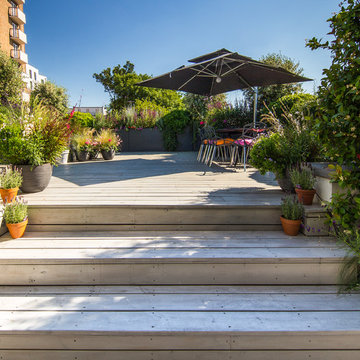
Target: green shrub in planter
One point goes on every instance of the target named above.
(171, 125)
(16, 212)
(303, 178)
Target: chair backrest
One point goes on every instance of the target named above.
(251, 131)
(207, 132)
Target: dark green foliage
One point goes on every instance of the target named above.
(120, 82)
(171, 125)
(11, 84)
(338, 118)
(52, 95)
(269, 94)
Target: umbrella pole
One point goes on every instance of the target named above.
(255, 103)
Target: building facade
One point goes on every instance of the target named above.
(13, 40)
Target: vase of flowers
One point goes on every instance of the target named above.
(292, 213)
(304, 180)
(10, 181)
(108, 142)
(16, 217)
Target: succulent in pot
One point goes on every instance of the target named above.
(304, 181)
(16, 217)
(10, 181)
(292, 213)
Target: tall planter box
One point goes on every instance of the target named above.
(151, 140)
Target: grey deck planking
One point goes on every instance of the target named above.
(184, 302)
(179, 322)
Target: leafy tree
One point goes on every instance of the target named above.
(338, 117)
(269, 94)
(120, 82)
(52, 95)
(11, 84)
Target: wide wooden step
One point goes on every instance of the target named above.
(178, 322)
(107, 258)
(83, 217)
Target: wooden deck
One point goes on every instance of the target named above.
(155, 179)
(158, 257)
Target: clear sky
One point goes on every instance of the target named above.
(69, 40)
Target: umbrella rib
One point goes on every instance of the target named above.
(233, 69)
(241, 78)
(193, 77)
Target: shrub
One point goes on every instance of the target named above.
(10, 178)
(81, 120)
(83, 140)
(33, 137)
(291, 208)
(171, 125)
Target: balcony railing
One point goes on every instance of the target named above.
(19, 56)
(19, 2)
(17, 16)
(18, 36)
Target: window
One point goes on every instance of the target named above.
(35, 76)
(30, 74)
(31, 85)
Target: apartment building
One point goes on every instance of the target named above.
(13, 40)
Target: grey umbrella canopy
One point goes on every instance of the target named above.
(222, 71)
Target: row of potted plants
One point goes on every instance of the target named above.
(303, 180)
(15, 209)
(87, 144)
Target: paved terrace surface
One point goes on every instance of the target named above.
(156, 179)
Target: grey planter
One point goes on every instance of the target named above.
(35, 178)
(152, 140)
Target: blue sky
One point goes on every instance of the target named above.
(70, 40)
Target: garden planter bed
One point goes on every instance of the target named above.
(152, 140)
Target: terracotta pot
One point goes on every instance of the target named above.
(82, 155)
(306, 197)
(17, 230)
(108, 154)
(290, 227)
(35, 178)
(8, 195)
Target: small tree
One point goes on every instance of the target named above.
(52, 95)
(11, 84)
(269, 94)
(120, 82)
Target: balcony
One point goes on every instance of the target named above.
(18, 36)
(19, 56)
(19, 2)
(17, 16)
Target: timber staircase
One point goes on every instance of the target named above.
(170, 282)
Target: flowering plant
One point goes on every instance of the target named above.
(16, 212)
(303, 179)
(83, 140)
(108, 140)
(10, 178)
(291, 208)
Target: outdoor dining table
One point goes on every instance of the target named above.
(236, 132)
